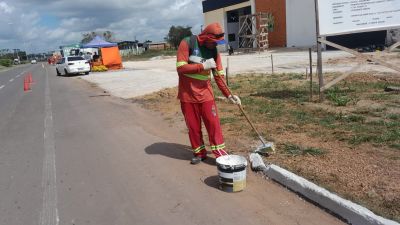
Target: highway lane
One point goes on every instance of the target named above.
(11, 89)
(21, 146)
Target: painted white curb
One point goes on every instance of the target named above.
(353, 213)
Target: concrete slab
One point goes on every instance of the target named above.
(143, 77)
(132, 83)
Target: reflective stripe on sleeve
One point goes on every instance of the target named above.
(181, 63)
(198, 76)
(219, 73)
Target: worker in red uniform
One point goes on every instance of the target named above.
(197, 57)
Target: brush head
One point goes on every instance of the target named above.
(266, 149)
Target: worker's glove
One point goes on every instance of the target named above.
(196, 59)
(209, 64)
(235, 99)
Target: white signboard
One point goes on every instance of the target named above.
(354, 16)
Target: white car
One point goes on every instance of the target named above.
(72, 65)
(33, 61)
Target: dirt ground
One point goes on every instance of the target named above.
(349, 144)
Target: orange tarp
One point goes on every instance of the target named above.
(111, 58)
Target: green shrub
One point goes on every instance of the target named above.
(6, 62)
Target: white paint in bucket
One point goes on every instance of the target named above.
(232, 173)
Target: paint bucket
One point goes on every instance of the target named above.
(232, 173)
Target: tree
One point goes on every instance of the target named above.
(107, 35)
(176, 34)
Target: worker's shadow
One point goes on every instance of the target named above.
(176, 151)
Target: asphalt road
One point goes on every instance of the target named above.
(71, 154)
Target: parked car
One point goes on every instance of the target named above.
(33, 61)
(17, 61)
(72, 65)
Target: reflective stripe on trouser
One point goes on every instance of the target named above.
(194, 113)
(218, 150)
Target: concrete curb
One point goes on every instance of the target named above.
(353, 213)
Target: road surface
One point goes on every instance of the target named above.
(70, 154)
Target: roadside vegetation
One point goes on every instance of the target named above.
(349, 143)
(174, 37)
(6, 62)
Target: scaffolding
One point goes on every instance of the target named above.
(253, 31)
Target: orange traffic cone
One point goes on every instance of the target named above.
(30, 80)
(27, 86)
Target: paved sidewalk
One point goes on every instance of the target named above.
(144, 77)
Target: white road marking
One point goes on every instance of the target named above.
(49, 214)
(1, 87)
(18, 75)
(11, 80)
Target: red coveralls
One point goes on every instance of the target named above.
(196, 94)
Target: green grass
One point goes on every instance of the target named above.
(380, 97)
(258, 106)
(328, 121)
(226, 110)
(395, 146)
(302, 117)
(272, 98)
(234, 86)
(281, 100)
(227, 120)
(295, 76)
(363, 86)
(337, 97)
(394, 117)
(314, 151)
(355, 118)
(6, 62)
(378, 132)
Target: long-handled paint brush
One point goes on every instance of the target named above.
(266, 147)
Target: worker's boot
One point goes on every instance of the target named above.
(197, 159)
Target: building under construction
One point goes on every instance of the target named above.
(248, 23)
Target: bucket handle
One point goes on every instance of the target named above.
(219, 151)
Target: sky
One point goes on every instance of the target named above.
(43, 25)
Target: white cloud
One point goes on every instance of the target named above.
(180, 4)
(46, 24)
(6, 8)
